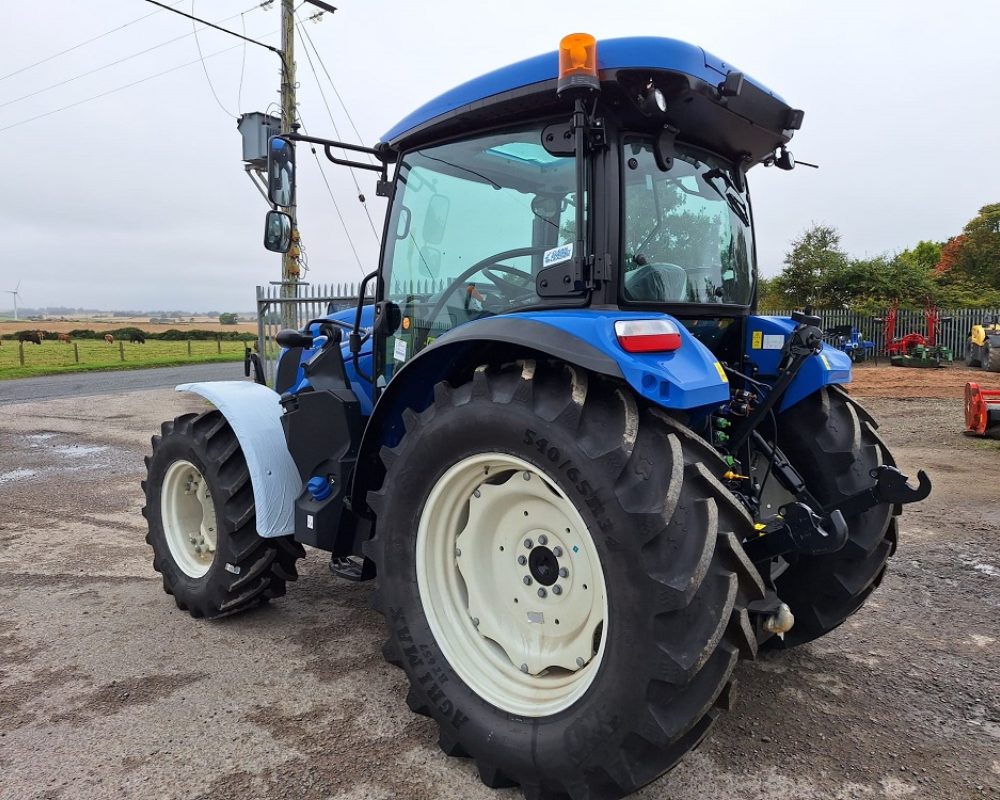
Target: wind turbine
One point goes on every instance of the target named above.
(15, 293)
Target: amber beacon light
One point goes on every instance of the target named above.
(578, 63)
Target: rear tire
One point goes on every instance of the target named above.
(832, 441)
(991, 358)
(202, 522)
(658, 529)
(973, 356)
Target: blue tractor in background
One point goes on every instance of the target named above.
(586, 476)
(850, 340)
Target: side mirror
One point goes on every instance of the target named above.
(277, 232)
(280, 172)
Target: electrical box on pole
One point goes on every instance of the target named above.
(256, 128)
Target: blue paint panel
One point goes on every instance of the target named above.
(362, 388)
(831, 366)
(636, 52)
(684, 379)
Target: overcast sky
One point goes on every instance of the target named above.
(139, 199)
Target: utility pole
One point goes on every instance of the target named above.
(290, 260)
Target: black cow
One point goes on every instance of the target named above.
(30, 336)
(136, 338)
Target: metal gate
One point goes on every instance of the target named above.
(312, 301)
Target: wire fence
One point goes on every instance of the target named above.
(69, 354)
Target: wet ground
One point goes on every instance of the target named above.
(107, 690)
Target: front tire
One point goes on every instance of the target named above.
(569, 693)
(832, 441)
(991, 358)
(202, 523)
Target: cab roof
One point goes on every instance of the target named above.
(528, 76)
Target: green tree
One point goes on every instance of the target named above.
(815, 255)
(228, 319)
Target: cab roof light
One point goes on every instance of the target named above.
(578, 63)
(648, 335)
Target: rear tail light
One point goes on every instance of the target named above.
(648, 335)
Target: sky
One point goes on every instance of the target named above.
(139, 200)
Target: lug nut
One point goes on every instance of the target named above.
(557, 551)
(526, 475)
(458, 551)
(528, 543)
(557, 589)
(541, 592)
(524, 668)
(527, 580)
(543, 539)
(580, 662)
(563, 572)
(475, 621)
(477, 493)
(522, 560)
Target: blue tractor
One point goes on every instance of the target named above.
(586, 477)
(850, 340)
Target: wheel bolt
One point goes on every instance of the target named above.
(563, 572)
(458, 551)
(477, 493)
(522, 560)
(543, 539)
(528, 543)
(475, 621)
(526, 476)
(557, 589)
(541, 592)
(580, 662)
(524, 668)
(527, 580)
(557, 551)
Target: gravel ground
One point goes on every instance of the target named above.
(107, 690)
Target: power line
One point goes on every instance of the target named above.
(357, 186)
(201, 57)
(82, 44)
(112, 63)
(112, 91)
(343, 105)
(333, 199)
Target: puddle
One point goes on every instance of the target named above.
(77, 450)
(16, 475)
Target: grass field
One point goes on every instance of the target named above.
(54, 357)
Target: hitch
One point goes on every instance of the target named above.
(891, 486)
(798, 529)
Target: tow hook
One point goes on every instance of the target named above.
(891, 486)
(797, 529)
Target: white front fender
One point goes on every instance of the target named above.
(254, 414)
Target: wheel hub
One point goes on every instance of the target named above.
(187, 513)
(517, 601)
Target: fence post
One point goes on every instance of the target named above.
(20, 352)
(189, 347)
(121, 349)
(218, 343)
(76, 353)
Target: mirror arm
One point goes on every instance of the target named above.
(355, 340)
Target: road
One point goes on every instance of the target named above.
(88, 384)
(107, 690)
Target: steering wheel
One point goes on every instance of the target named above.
(480, 266)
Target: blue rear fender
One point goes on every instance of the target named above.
(765, 338)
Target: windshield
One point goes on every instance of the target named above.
(474, 223)
(687, 235)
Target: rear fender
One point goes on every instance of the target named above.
(766, 338)
(687, 379)
(254, 414)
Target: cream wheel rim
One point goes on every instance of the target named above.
(511, 584)
(188, 515)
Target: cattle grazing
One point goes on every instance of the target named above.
(29, 336)
(64, 337)
(109, 338)
(137, 338)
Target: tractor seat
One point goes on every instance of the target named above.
(658, 283)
